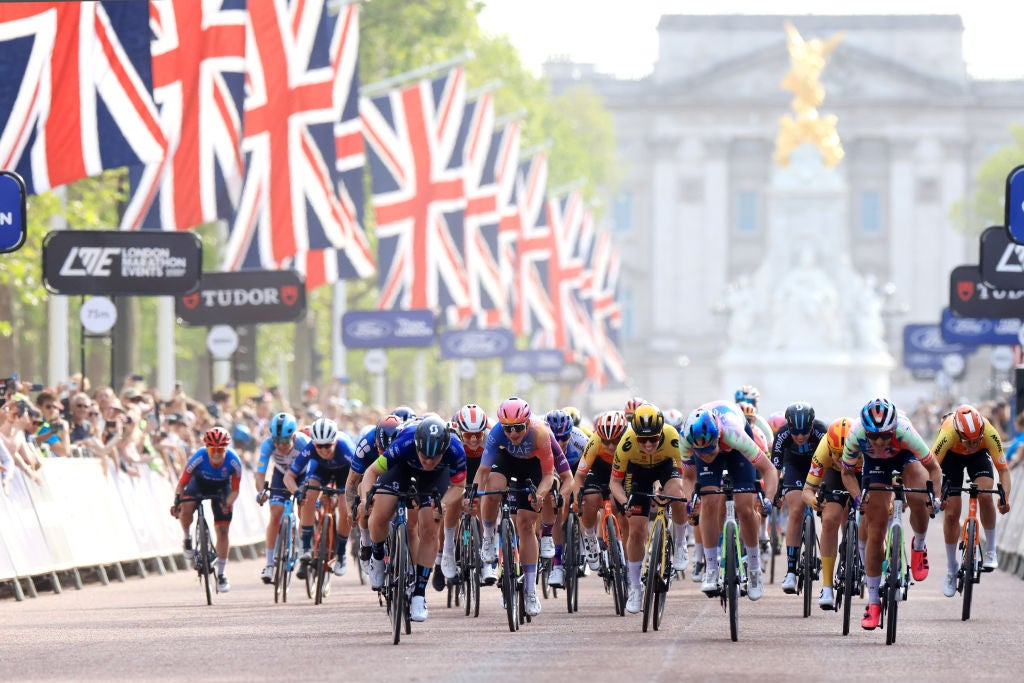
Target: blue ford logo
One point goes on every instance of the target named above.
(368, 329)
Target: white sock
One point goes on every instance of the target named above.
(990, 540)
(680, 533)
(753, 557)
(364, 538)
(952, 562)
(270, 556)
(918, 543)
(449, 541)
(634, 574)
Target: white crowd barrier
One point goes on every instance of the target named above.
(1010, 527)
(81, 517)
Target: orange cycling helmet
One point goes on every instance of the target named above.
(837, 433)
(610, 426)
(968, 423)
(216, 438)
(631, 406)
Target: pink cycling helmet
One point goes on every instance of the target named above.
(513, 410)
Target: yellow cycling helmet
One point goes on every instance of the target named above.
(647, 420)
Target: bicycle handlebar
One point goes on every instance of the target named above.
(973, 490)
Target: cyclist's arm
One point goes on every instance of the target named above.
(619, 465)
(770, 475)
(236, 478)
(851, 480)
(370, 477)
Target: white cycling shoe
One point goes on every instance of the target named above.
(418, 608)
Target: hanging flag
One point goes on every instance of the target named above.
(76, 93)
(345, 253)
(288, 136)
(568, 272)
(198, 72)
(534, 310)
(506, 164)
(416, 170)
(605, 313)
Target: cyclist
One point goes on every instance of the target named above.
(794, 447)
(826, 470)
(577, 420)
(325, 461)
(216, 471)
(674, 418)
(887, 441)
(404, 413)
(746, 398)
(649, 453)
(571, 440)
(282, 446)
(593, 475)
(424, 449)
(631, 406)
(718, 439)
(968, 441)
(370, 447)
(520, 446)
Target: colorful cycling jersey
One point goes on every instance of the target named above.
(558, 457)
(759, 437)
(766, 430)
(733, 436)
(536, 444)
(199, 467)
(905, 438)
(948, 441)
(575, 445)
(309, 462)
(825, 459)
(595, 449)
(403, 450)
(630, 452)
(281, 462)
(785, 444)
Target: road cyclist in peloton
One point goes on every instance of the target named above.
(571, 440)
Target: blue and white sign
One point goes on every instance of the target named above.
(1015, 204)
(977, 331)
(388, 329)
(924, 347)
(477, 343)
(13, 218)
(536, 361)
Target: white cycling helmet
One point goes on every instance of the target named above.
(323, 432)
(471, 419)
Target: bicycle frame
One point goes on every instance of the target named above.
(511, 569)
(608, 523)
(285, 549)
(971, 568)
(204, 553)
(656, 583)
(324, 542)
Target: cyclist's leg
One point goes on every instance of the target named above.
(307, 518)
(915, 476)
(952, 475)
(982, 472)
(276, 510)
(744, 474)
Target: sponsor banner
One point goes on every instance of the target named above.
(1001, 259)
(538, 361)
(116, 263)
(22, 535)
(388, 329)
(969, 297)
(13, 218)
(1014, 204)
(924, 347)
(978, 331)
(244, 297)
(924, 374)
(477, 343)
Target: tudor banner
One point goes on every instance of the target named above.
(244, 297)
(969, 297)
(116, 263)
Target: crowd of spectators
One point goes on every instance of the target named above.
(135, 427)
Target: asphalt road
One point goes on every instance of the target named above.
(159, 628)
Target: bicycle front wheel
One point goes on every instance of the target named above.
(893, 584)
(571, 561)
(807, 561)
(617, 565)
(732, 580)
(654, 545)
(773, 535)
(202, 558)
(399, 576)
(509, 578)
(281, 558)
(969, 560)
(850, 572)
(323, 554)
(664, 579)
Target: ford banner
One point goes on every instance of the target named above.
(924, 347)
(388, 329)
(535, 361)
(244, 297)
(477, 343)
(976, 331)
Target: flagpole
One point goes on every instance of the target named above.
(505, 119)
(483, 89)
(371, 89)
(567, 187)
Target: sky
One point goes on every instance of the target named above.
(621, 37)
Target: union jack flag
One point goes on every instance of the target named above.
(605, 312)
(416, 170)
(198, 72)
(507, 162)
(344, 254)
(288, 135)
(535, 247)
(568, 272)
(75, 97)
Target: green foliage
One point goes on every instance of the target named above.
(986, 205)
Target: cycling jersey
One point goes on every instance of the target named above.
(268, 452)
(575, 445)
(734, 434)
(826, 460)
(905, 439)
(595, 450)
(948, 441)
(536, 444)
(199, 466)
(785, 445)
(309, 462)
(403, 451)
(629, 452)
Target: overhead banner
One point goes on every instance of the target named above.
(924, 347)
(388, 329)
(477, 343)
(244, 297)
(1014, 204)
(977, 331)
(536, 361)
(118, 263)
(1001, 260)
(969, 297)
(13, 218)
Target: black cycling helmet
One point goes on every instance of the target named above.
(433, 436)
(800, 418)
(404, 413)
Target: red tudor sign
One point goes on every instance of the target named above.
(244, 297)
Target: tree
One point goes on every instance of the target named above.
(986, 205)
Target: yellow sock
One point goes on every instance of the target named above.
(828, 566)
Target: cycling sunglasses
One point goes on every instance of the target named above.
(880, 436)
(282, 440)
(705, 450)
(648, 439)
(320, 446)
(800, 432)
(517, 428)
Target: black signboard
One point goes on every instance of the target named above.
(245, 297)
(116, 263)
(1002, 259)
(969, 297)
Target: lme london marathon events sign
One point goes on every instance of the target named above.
(116, 263)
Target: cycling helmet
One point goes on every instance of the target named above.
(574, 413)
(878, 415)
(560, 423)
(404, 413)
(513, 411)
(631, 406)
(282, 426)
(800, 418)
(704, 432)
(305, 430)
(432, 437)
(968, 423)
(387, 430)
(323, 432)
(837, 433)
(610, 426)
(217, 437)
(674, 418)
(241, 435)
(647, 420)
(747, 394)
(471, 419)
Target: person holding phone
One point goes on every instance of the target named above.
(53, 433)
